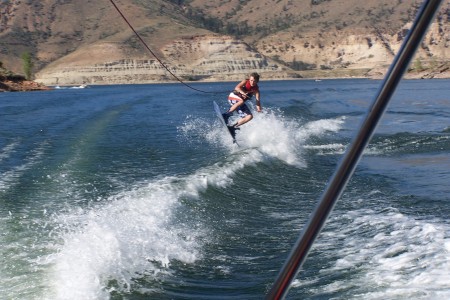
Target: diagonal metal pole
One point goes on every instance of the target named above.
(348, 164)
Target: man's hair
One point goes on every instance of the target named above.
(254, 75)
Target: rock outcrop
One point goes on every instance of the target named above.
(218, 58)
(10, 82)
(363, 53)
(195, 58)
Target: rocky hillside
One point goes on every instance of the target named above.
(85, 41)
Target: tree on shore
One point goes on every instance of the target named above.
(27, 65)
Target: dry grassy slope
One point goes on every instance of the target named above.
(327, 23)
(52, 29)
(304, 15)
(337, 34)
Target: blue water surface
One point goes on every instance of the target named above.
(137, 192)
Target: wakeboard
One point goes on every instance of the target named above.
(229, 129)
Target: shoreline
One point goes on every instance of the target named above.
(81, 78)
(28, 86)
(318, 79)
(22, 86)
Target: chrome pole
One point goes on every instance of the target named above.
(348, 164)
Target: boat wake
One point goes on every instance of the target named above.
(269, 132)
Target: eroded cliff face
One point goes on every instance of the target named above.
(216, 58)
(366, 53)
(214, 55)
(195, 58)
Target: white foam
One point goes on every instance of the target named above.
(319, 127)
(273, 136)
(269, 132)
(132, 234)
(386, 255)
(327, 149)
(7, 150)
(9, 178)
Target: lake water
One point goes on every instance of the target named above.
(136, 192)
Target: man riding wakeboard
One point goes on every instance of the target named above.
(243, 91)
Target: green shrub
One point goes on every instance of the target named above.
(27, 65)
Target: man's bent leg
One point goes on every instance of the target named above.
(244, 120)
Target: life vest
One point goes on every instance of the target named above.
(250, 90)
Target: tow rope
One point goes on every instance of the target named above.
(154, 55)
